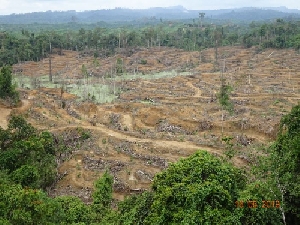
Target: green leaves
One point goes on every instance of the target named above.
(26, 206)
(20, 129)
(74, 210)
(7, 89)
(290, 123)
(223, 97)
(102, 198)
(279, 173)
(28, 157)
(26, 175)
(201, 186)
(103, 190)
(84, 71)
(135, 209)
(259, 192)
(286, 163)
(46, 139)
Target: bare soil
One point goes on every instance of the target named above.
(5, 112)
(156, 122)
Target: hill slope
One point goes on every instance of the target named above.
(151, 14)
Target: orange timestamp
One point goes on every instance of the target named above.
(254, 204)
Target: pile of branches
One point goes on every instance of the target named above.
(244, 140)
(164, 126)
(149, 160)
(205, 125)
(141, 175)
(99, 164)
(67, 142)
(119, 186)
(85, 193)
(73, 113)
(114, 119)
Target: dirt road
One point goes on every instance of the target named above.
(4, 113)
(188, 147)
(198, 92)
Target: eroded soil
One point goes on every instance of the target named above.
(155, 122)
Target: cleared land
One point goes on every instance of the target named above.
(165, 108)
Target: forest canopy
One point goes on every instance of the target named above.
(26, 45)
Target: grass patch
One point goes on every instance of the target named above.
(159, 75)
(99, 93)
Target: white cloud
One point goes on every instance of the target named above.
(22, 6)
(4, 4)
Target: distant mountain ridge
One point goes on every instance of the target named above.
(283, 9)
(156, 13)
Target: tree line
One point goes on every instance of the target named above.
(26, 45)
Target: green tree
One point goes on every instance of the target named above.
(102, 196)
(84, 71)
(74, 210)
(285, 168)
(26, 206)
(26, 175)
(264, 212)
(278, 175)
(135, 209)
(103, 190)
(7, 89)
(119, 66)
(20, 129)
(223, 97)
(197, 190)
(29, 157)
(295, 42)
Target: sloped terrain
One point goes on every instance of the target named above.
(154, 122)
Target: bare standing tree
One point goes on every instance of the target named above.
(201, 16)
(50, 63)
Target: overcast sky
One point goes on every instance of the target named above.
(23, 6)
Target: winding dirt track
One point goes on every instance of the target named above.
(198, 92)
(5, 112)
(188, 147)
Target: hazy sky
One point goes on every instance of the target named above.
(23, 6)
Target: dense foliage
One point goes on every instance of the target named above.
(31, 45)
(196, 190)
(7, 89)
(286, 169)
(200, 190)
(26, 155)
(223, 97)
